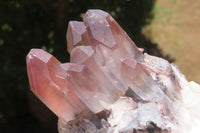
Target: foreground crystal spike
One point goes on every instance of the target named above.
(48, 83)
(101, 85)
(86, 91)
(94, 93)
(97, 64)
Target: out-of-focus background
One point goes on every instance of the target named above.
(166, 28)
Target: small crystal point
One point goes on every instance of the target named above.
(72, 67)
(99, 28)
(74, 34)
(81, 54)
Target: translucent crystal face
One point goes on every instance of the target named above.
(104, 64)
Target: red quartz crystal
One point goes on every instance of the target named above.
(48, 80)
(104, 64)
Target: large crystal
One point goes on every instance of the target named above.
(50, 83)
(108, 73)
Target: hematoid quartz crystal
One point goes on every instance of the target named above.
(110, 85)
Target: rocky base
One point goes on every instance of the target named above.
(95, 124)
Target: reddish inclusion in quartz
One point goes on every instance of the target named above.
(48, 82)
(105, 62)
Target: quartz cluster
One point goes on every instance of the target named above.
(107, 71)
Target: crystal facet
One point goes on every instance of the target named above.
(107, 71)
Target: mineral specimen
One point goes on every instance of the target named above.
(110, 85)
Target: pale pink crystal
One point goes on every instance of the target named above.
(104, 65)
(75, 32)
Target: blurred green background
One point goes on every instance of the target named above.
(161, 27)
